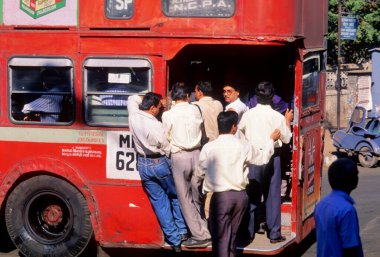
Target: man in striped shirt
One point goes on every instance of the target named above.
(116, 97)
(48, 106)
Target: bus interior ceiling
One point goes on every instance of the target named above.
(242, 65)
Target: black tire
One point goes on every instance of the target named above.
(46, 216)
(366, 157)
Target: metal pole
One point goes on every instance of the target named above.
(338, 80)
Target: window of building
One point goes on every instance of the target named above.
(41, 90)
(107, 85)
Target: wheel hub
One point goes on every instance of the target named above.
(52, 215)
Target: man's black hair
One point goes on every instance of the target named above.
(343, 175)
(179, 91)
(49, 74)
(226, 120)
(149, 100)
(50, 77)
(205, 87)
(264, 93)
(235, 86)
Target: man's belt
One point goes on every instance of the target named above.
(151, 156)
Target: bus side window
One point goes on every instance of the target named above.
(108, 84)
(41, 90)
(310, 82)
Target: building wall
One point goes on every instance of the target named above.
(376, 77)
(349, 96)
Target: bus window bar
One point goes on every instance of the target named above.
(41, 92)
(115, 93)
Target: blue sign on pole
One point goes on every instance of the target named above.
(348, 28)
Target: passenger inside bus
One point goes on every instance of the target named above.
(47, 107)
(108, 89)
(115, 99)
(280, 105)
(108, 103)
(231, 94)
(265, 180)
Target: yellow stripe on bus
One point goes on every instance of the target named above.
(48, 135)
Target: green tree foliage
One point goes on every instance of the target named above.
(368, 14)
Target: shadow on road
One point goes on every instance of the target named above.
(114, 252)
(6, 244)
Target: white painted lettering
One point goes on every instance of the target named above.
(122, 4)
(178, 7)
(192, 5)
(206, 4)
(221, 4)
(119, 5)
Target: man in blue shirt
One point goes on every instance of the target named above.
(335, 216)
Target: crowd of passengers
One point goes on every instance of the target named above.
(206, 167)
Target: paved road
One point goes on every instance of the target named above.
(367, 197)
(368, 206)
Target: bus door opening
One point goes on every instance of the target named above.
(245, 66)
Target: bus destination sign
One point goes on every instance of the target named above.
(119, 9)
(199, 8)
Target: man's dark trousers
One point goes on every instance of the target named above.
(265, 180)
(226, 212)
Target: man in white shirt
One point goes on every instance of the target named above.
(182, 126)
(154, 166)
(231, 96)
(223, 163)
(265, 180)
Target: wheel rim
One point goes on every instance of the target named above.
(367, 157)
(48, 217)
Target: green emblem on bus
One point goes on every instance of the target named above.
(39, 8)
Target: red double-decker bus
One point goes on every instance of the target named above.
(68, 170)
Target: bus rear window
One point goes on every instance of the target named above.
(310, 82)
(199, 8)
(107, 85)
(41, 90)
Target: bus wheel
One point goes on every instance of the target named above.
(46, 216)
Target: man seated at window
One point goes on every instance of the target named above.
(115, 99)
(47, 107)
